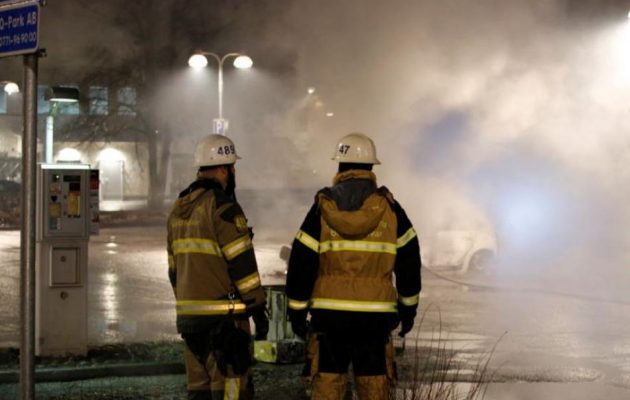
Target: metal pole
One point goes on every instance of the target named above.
(50, 127)
(221, 89)
(27, 246)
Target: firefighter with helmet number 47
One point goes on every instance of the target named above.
(354, 239)
(215, 279)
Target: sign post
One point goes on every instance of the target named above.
(19, 34)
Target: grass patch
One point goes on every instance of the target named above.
(436, 372)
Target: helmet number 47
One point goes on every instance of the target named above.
(343, 148)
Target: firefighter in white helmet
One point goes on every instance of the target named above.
(215, 279)
(353, 240)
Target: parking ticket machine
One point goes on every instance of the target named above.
(63, 232)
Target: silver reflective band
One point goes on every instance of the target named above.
(209, 307)
(350, 245)
(196, 245)
(404, 239)
(248, 283)
(307, 241)
(232, 388)
(409, 301)
(237, 247)
(351, 305)
(297, 305)
(345, 245)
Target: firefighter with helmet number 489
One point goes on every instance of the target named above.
(215, 279)
(352, 243)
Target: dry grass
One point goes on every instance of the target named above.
(435, 373)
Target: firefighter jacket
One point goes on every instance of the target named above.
(353, 241)
(212, 266)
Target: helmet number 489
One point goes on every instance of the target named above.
(226, 150)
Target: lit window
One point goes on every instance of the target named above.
(69, 154)
(127, 101)
(98, 100)
(69, 108)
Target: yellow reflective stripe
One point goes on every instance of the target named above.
(232, 388)
(308, 241)
(209, 307)
(171, 262)
(237, 247)
(297, 305)
(351, 305)
(404, 239)
(409, 301)
(248, 283)
(358, 245)
(196, 245)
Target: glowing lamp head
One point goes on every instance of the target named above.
(243, 62)
(11, 87)
(197, 61)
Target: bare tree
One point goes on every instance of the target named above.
(152, 39)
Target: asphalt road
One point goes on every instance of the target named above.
(542, 341)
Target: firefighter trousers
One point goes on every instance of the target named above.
(329, 358)
(205, 380)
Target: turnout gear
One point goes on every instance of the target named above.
(262, 323)
(328, 359)
(215, 279)
(214, 360)
(406, 314)
(215, 150)
(356, 148)
(354, 239)
(299, 326)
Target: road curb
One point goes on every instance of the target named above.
(103, 371)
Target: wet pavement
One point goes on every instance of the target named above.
(542, 344)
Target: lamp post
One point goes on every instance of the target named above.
(56, 95)
(199, 60)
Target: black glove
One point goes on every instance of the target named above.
(298, 322)
(262, 323)
(406, 314)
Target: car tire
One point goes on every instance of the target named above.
(480, 262)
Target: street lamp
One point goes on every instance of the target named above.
(10, 87)
(199, 60)
(56, 95)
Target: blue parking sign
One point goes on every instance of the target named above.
(19, 33)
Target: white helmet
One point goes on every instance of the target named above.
(214, 150)
(356, 148)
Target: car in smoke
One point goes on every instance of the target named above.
(464, 251)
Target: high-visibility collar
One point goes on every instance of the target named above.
(354, 174)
